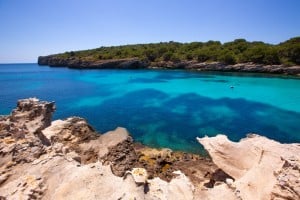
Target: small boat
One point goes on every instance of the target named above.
(231, 86)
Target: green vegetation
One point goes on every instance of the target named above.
(237, 51)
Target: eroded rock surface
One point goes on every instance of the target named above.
(68, 159)
(261, 168)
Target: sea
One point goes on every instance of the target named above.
(163, 108)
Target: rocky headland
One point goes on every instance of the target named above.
(135, 63)
(68, 159)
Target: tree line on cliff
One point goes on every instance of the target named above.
(237, 51)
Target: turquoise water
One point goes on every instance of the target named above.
(163, 108)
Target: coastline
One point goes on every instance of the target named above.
(134, 63)
(68, 159)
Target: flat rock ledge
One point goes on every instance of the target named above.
(68, 159)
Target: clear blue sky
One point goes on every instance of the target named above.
(29, 28)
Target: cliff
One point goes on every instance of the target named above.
(135, 63)
(88, 64)
(68, 159)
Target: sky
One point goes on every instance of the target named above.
(30, 28)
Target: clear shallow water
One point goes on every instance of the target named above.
(162, 108)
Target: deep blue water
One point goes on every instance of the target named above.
(162, 108)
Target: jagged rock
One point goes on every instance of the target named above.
(76, 162)
(70, 160)
(70, 132)
(32, 114)
(21, 139)
(114, 148)
(30, 117)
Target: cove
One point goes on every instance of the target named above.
(163, 108)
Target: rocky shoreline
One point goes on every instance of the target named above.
(68, 159)
(134, 63)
